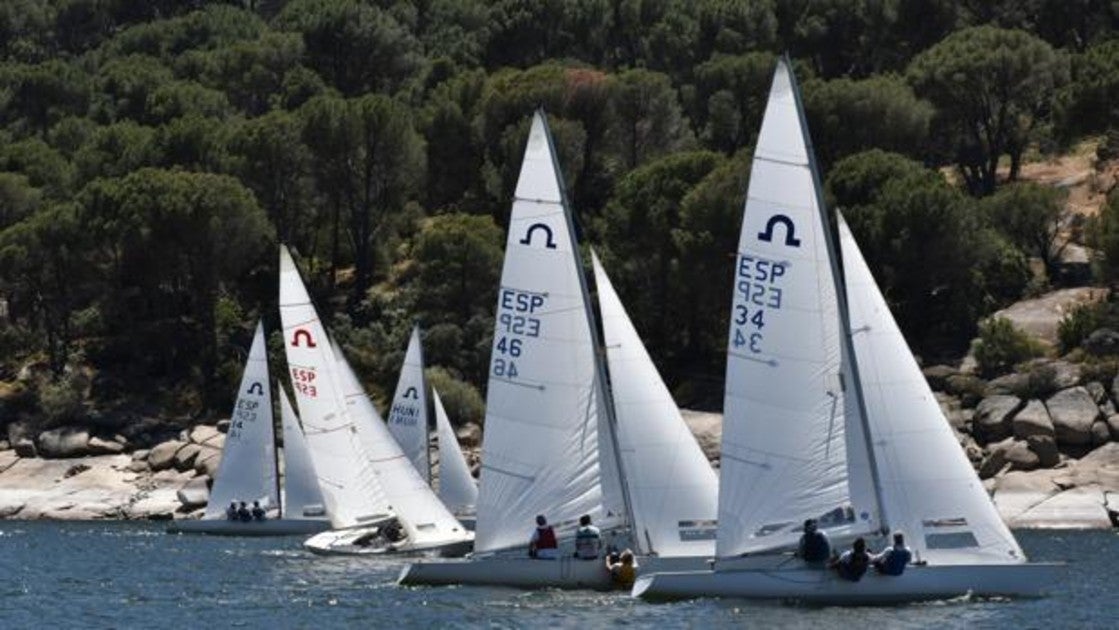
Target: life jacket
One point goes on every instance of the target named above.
(546, 538)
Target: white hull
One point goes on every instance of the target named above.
(565, 572)
(270, 527)
(821, 586)
(348, 542)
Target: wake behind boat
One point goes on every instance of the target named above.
(828, 417)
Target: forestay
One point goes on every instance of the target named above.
(247, 471)
(929, 489)
(544, 407)
(408, 413)
(672, 486)
(457, 489)
(403, 491)
(302, 496)
(789, 429)
(346, 476)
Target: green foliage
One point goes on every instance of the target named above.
(993, 89)
(1029, 215)
(62, 400)
(1075, 327)
(461, 399)
(1104, 236)
(1090, 102)
(1001, 346)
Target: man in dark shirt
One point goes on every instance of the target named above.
(892, 560)
(814, 547)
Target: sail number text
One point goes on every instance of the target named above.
(757, 292)
(303, 382)
(515, 330)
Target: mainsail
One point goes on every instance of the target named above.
(793, 443)
(672, 486)
(457, 488)
(302, 495)
(929, 489)
(545, 412)
(247, 471)
(408, 413)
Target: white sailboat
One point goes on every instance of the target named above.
(377, 502)
(819, 423)
(408, 411)
(248, 470)
(550, 445)
(457, 488)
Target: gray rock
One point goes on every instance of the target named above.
(1097, 391)
(469, 435)
(996, 462)
(63, 443)
(1101, 434)
(141, 453)
(185, 456)
(138, 465)
(162, 456)
(25, 447)
(1065, 374)
(1101, 342)
(1113, 425)
(953, 411)
(1073, 413)
(1008, 385)
(1033, 420)
(992, 417)
(969, 389)
(218, 441)
(207, 461)
(1115, 388)
(1045, 447)
(937, 376)
(1021, 457)
(184, 435)
(98, 446)
(194, 494)
(5, 445)
(202, 433)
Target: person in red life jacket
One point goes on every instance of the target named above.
(543, 544)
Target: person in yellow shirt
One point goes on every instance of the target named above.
(623, 568)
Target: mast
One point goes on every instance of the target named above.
(427, 405)
(841, 297)
(601, 372)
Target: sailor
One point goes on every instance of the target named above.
(542, 545)
(622, 568)
(814, 547)
(853, 563)
(892, 560)
(243, 513)
(231, 511)
(258, 512)
(588, 540)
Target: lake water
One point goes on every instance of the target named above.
(126, 575)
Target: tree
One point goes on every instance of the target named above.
(994, 90)
(648, 121)
(730, 97)
(18, 199)
(1029, 215)
(1104, 233)
(1090, 102)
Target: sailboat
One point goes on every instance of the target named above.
(248, 469)
(551, 445)
(408, 423)
(827, 416)
(377, 502)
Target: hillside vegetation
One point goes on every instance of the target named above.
(153, 154)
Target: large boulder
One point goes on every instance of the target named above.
(1098, 392)
(1011, 384)
(992, 417)
(1045, 447)
(938, 375)
(162, 456)
(1065, 374)
(1073, 413)
(968, 388)
(202, 433)
(1102, 342)
(218, 441)
(1113, 426)
(1021, 457)
(1101, 434)
(64, 442)
(996, 461)
(99, 446)
(207, 461)
(1033, 420)
(184, 457)
(195, 494)
(25, 447)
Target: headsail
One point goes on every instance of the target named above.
(457, 488)
(302, 495)
(408, 413)
(930, 490)
(672, 485)
(353, 495)
(247, 471)
(793, 443)
(544, 403)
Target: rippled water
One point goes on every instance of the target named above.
(124, 575)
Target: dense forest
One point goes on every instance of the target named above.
(154, 153)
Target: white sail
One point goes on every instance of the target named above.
(457, 488)
(929, 489)
(346, 476)
(247, 471)
(402, 490)
(672, 486)
(408, 413)
(789, 429)
(302, 495)
(544, 406)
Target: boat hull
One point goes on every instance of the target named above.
(270, 527)
(821, 586)
(347, 542)
(521, 572)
